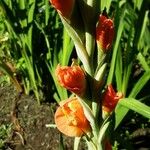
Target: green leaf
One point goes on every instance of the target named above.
(121, 111)
(31, 12)
(88, 112)
(116, 45)
(119, 70)
(144, 26)
(143, 62)
(102, 132)
(140, 84)
(105, 3)
(47, 14)
(100, 73)
(67, 48)
(22, 4)
(80, 48)
(89, 115)
(136, 106)
(139, 24)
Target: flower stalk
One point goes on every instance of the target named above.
(87, 83)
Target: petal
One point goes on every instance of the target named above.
(70, 118)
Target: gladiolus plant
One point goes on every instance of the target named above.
(94, 90)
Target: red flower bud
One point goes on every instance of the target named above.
(104, 33)
(110, 99)
(72, 78)
(64, 7)
(70, 118)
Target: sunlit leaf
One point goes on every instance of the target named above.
(136, 106)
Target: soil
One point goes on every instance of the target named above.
(29, 120)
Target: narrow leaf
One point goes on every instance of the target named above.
(143, 62)
(140, 84)
(119, 34)
(80, 48)
(121, 111)
(136, 106)
(88, 112)
(119, 70)
(67, 48)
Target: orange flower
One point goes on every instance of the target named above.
(70, 118)
(104, 33)
(110, 99)
(72, 78)
(64, 7)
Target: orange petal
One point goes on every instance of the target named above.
(110, 99)
(64, 7)
(71, 78)
(70, 118)
(104, 33)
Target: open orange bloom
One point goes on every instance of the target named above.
(104, 33)
(110, 99)
(64, 7)
(72, 78)
(70, 118)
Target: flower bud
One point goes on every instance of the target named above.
(72, 78)
(70, 118)
(110, 99)
(64, 7)
(104, 33)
